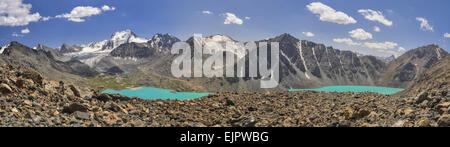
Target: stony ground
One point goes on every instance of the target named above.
(27, 99)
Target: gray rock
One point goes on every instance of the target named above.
(82, 115)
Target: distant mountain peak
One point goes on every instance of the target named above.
(122, 34)
(69, 49)
(285, 37)
(163, 41)
(219, 38)
(42, 47)
(121, 37)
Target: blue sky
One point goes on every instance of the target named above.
(267, 18)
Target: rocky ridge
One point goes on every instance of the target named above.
(28, 99)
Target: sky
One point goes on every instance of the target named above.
(371, 27)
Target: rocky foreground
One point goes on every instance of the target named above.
(29, 100)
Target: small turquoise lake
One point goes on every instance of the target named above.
(156, 93)
(375, 89)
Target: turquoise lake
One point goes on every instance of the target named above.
(156, 93)
(375, 89)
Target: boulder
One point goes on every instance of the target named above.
(35, 76)
(81, 115)
(244, 122)
(75, 91)
(74, 107)
(5, 89)
(422, 97)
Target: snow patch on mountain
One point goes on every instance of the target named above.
(299, 46)
(438, 53)
(315, 57)
(3, 48)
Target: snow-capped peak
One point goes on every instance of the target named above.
(122, 37)
(218, 38)
(95, 51)
(220, 42)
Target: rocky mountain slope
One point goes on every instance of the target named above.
(304, 63)
(435, 81)
(406, 68)
(44, 62)
(54, 52)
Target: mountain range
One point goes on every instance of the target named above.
(303, 64)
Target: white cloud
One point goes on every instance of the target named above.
(328, 14)
(376, 29)
(248, 18)
(78, 14)
(46, 18)
(347, 41)
(232, 18)
(447, 35)
(401, 49)
(360, 34)
(16, 13)
(108, 8)
(207, 12)
(25, 31)
(381, 45)
(375, 16)
(308, 34)
(424, 24)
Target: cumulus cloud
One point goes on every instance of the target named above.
(108, 8)
(347, 41)
(232, 19)
(376, 29)
(328, 14)
(424, 24)
(447, 35)
(401, 49)
(207, 12)
(308, 34)
(78, 14)
(25, 31)
(360, 34)
(375, 16)
(16, 13)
